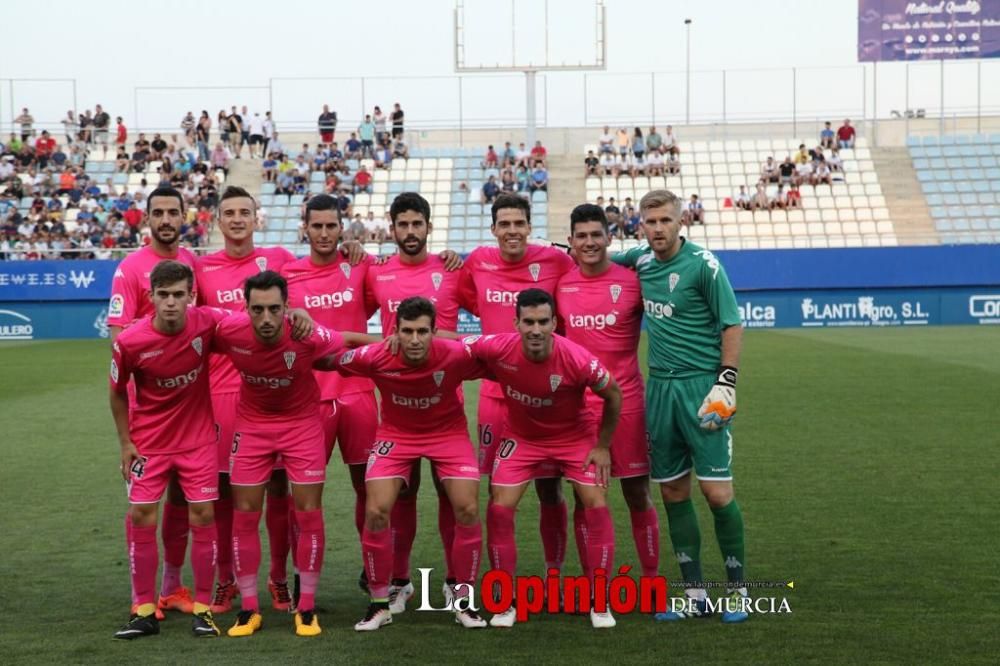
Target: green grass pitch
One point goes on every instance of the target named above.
(866, 465)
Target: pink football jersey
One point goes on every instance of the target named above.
(130, 285)
(417, 401)
(172, 412)
(220, 284)
(544, 400)
(604, 315)
(391, 283)
(278, 381)
(334, 296)
(488, 286)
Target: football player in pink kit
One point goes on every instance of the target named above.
(277, 414)
(220, 278)
(327, 286)
(169, 430)
(129, 302)
(600, 306)
(422, 417)
(544, 378)
(414, 272)
(490, 281)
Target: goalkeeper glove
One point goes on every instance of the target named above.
(719, 406)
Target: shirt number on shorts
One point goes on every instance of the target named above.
(506, 448)
(382, 448)
(485, 435)
(236, 442)
(138, 467)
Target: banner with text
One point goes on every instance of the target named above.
(946, 29)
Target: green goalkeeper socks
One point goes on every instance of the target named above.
(685, 538)
(729, 533)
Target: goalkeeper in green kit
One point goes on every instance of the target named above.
(695, 334)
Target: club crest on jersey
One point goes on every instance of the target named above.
(345, 268)
(438, 376)
(436, 279)
(674, 279)
(196, 343)
(289, 359)
(616, 292)
(555, 381)
(535, 270)
(261, 263)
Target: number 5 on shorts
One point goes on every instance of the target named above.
(236, 442)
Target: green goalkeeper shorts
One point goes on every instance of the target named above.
(677, 442)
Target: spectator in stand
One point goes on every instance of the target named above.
(606, 141)
(327, 124)
(58, 157)
(539, 154)
(769, 172)
(363, 180)
(822, 175)
(45, 145)
(694, 212)
(539, 178)
(779, 200)
(609, 164)
(654, 162)
(827, 137)
(275, 146)
(157, 147)
(399, 149)
(380, 121)
(383, 157)
(491, 161)
(654, 142)
(202, 131)
(845, 135)
(71, 127)
(374, 231)
(366, 132)
(220, 158)
(86, 127)
(397, 117)
(509, 157)
(611, 208)
(760, 200)
(67, 182)
(489, 191)
(285, 183)
(742, 199)
(631, 224)
(523, 177)
(255, 126)
(269, 134)
(352, 148)
(26, 121)
(522, 156)
(244, 139)
(834, 162)
(787, 171)
(508, 183)
(672, 165)
(235, 127)
(638, 144)
(356, 229)
(591, 164)
(794, 198)
(670, 143)
(615, 228)
(133, 216)
(188, 124)
(102, 124)
(622, 142)
(121, 132)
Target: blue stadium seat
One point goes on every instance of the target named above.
(457, 222)
(317, 177)
(539, 195)
(940, 163)
(962, 139)
(947, 140)
(933, 151)
(267, 188)
(952, 162)
(994, 223)
(947, 187)
(278, 212)
(988, 162)
(316, 187)
(395, 187)
(931, 140)
(935, 200)
(995, 185)
(939, 212)
(460, 197)
(950, 199)
(967, 199)
(943, 225)
(985, 198)
(942, 174)
(921, 164)
(982, 150)
(977, 139)
(980, 186)
(912, 141)
(930, 187)
(960, 224)
(974, 210)
(918, 151)
(456, 235)
(994, 139)
(966, 151)
(540, 207)
(266, 199)
(541, 221)
(296, 200)
(979, 224)
(963, 185)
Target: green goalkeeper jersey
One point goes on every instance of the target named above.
(688, 302)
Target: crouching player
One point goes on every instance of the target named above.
(170, 430)
(422, 417)
(277, 414)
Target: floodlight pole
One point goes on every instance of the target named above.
(529, 96)
(687, 77)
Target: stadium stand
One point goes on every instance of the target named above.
(960, 179)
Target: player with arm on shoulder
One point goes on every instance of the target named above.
(327, 286)
(600, 306)
(550, 432)
(277, 414)
(490, 281)
(167, 431)
(695, 335)
(130, 301)
(422, 417)
(413, 271)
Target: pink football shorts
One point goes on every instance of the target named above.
(149, 475)
(224, 409)
(492, 414)
(393, 457)
(256, 448)
(629, 447)
(519, 460)
(350, 421)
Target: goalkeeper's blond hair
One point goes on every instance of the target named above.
(658, 198)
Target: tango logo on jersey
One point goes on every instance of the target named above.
(415, 403)
(269, 382)
(334, 299)
(658, 310)
(196, 343)
(616, 292)
(261, 263)
(535, 270)
(117, 306)
(593, 322)
(436, 279)
(438, 376)
(501, 297)
(180, 380)
(674, 279)
(530, 400)
(345, 268)
(289, 359)
(226, 296)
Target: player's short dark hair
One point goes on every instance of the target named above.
(410, 201)
(167, 191)
(169, 271)
(236, 192)
(415, 307)
(263, 281)
(587, 213)
(321, 202)
(508, 200)
(530, 298)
